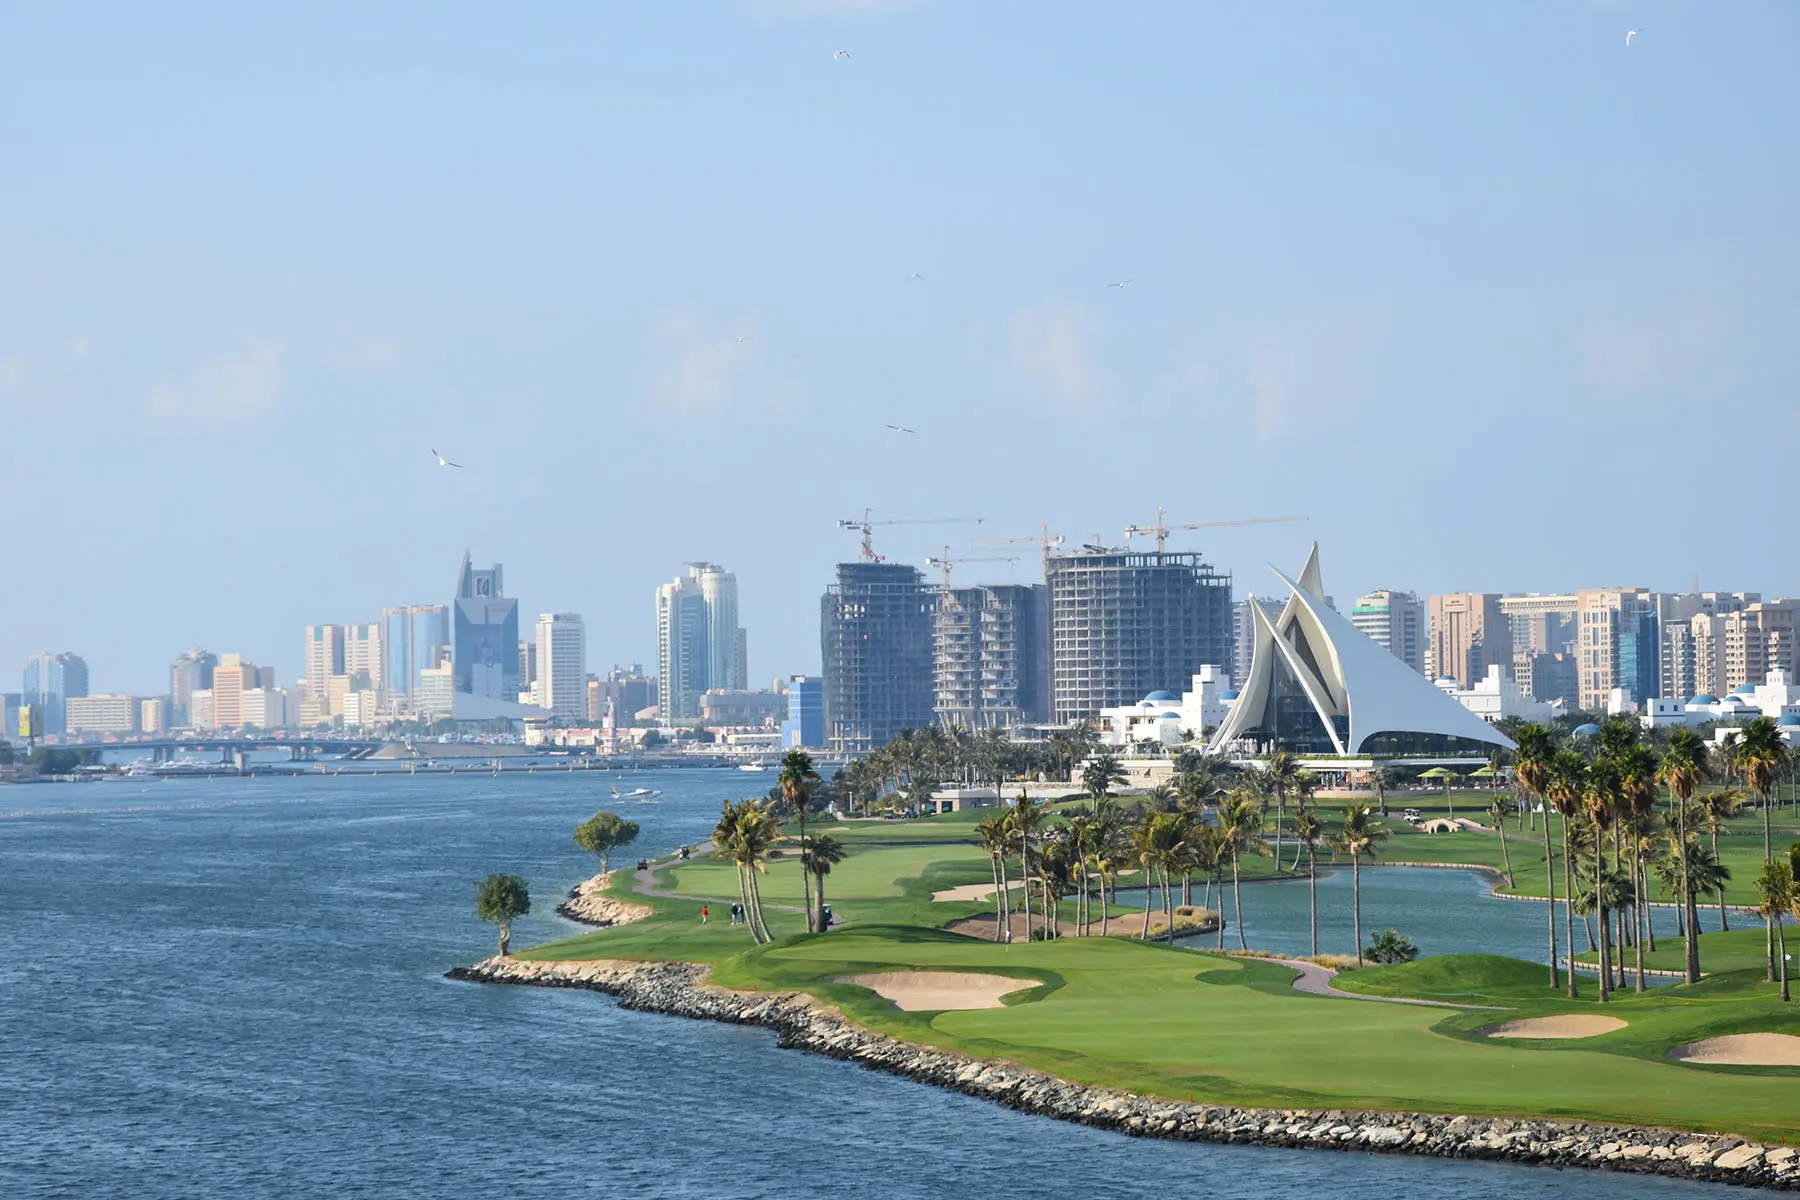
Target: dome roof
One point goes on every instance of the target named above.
(1176, 715)
(1704, 698)
(1161, 698)
(1588, 730)
(1744, 690)
(1228, 694)
(1788, 719)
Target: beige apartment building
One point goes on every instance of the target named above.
(1469, 633)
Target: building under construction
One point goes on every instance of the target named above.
(991, 656)
(875, 643)
(1125, 624)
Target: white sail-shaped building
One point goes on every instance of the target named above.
(1319, 685)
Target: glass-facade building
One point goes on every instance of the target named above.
(485, 652)
(51, 680)
(805, 724)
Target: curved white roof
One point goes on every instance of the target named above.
(1345, 674)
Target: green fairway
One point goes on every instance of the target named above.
(1739, 950)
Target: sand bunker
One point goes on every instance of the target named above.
(1572, 1026)
(973, 891)
(1743, 1050)
(919, 991)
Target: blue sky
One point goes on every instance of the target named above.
(1500, 303)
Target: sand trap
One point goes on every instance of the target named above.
(1573, 1026)
(917, 991)
(1743, 1050)
(974, 891)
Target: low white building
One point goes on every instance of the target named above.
(1496, 697)
(1163, 717)
(106, 713)
(1777, 698)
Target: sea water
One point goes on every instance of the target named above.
(234, 988)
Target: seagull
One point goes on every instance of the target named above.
(748, 337)
(902, 429)
(918, 277)
(1631, 33)
(444, 462)
(837, 54)
(1121, 283)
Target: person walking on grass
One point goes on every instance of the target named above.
(703, 914)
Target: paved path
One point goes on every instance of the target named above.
(1315, 980)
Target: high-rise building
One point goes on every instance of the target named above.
(486, 655)
(1759, 638)
(51, 681)
(268, 708)
(190, 673)
(325, 645)
(991, 655)
(1469, 633)
(742, 657)
(1617, 646)
(1243, 633)
(528, 670)
(697, 642)
(805, 724)
(231, 679)
(1396, 621)
(417, 637)
(200, 709)
(1690, 668)
(875, 643)
(153, 715)
(365, 655)
(1125, 624)
(1549, 677)
(435, 698)
(1540, 623)
(105, 713)
(628, 690)
(562, 666)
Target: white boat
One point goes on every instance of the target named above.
(752, 767)
(641, 795)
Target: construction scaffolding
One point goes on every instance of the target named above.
(991, 656)
(875, 640)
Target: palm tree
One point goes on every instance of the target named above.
(1500, 808)
(1637, 816)
(1685, 766)
(1160, 797)
(1692, 866)
(744, 835)
(1718, 809)
(1240, 829)
(1028, 817)
(1102, 772)
(1308, 830)
(1531, 768)
(1761, 754)
(1565, 783)
(796, 781)
(1381, 779)
(1777, 898)
(1602, 803)
(1359, 835)
(996, 839)
(1279, 777)
(816, 859)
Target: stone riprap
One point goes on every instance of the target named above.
(587, 905)
(801, 1023)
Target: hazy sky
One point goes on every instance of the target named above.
(1501, 303)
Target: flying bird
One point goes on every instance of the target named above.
(1631, 33)
(918, 277)
(748, 337)
(444, 462)
(902, 429)
(1121, 283)
(837, 54)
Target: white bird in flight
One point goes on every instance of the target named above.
(1121, 283)
(902, 429)
(1631, 33)
(837, 54)
(748, 337)
(918, 277)
(444, 462)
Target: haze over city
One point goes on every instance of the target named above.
(1501, 303)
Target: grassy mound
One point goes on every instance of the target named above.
(1454, 979)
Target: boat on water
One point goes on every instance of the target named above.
(640, 795)
(752, 767)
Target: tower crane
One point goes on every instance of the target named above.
(1049, 541)
(866, 525)
(944, 562)
(1163, 531)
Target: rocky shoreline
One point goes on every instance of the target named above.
(800, 1023)
(587, 906)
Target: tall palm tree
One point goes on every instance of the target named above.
(1359, 835)
(1718, 809)
(1160, 797)
(817, 859)
(796, 781)
(1381, 779)
(1028, 817)
(1279, 777)
(1103, 772)
(1531, 768)
(1602, 803)
(1308, 830)
(1685, 766)
(1240, 829)
(996, 839)
(1501, 807)
(1777, 897)
(745, 834)
(1761, 754)
(1638, 767)
(1565, 785)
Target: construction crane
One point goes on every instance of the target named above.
(867, 526)
(1163, 531)
(944, 562)
(1049, 541)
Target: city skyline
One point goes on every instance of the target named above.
(1522, 260)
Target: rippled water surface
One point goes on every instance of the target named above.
(234, 988)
